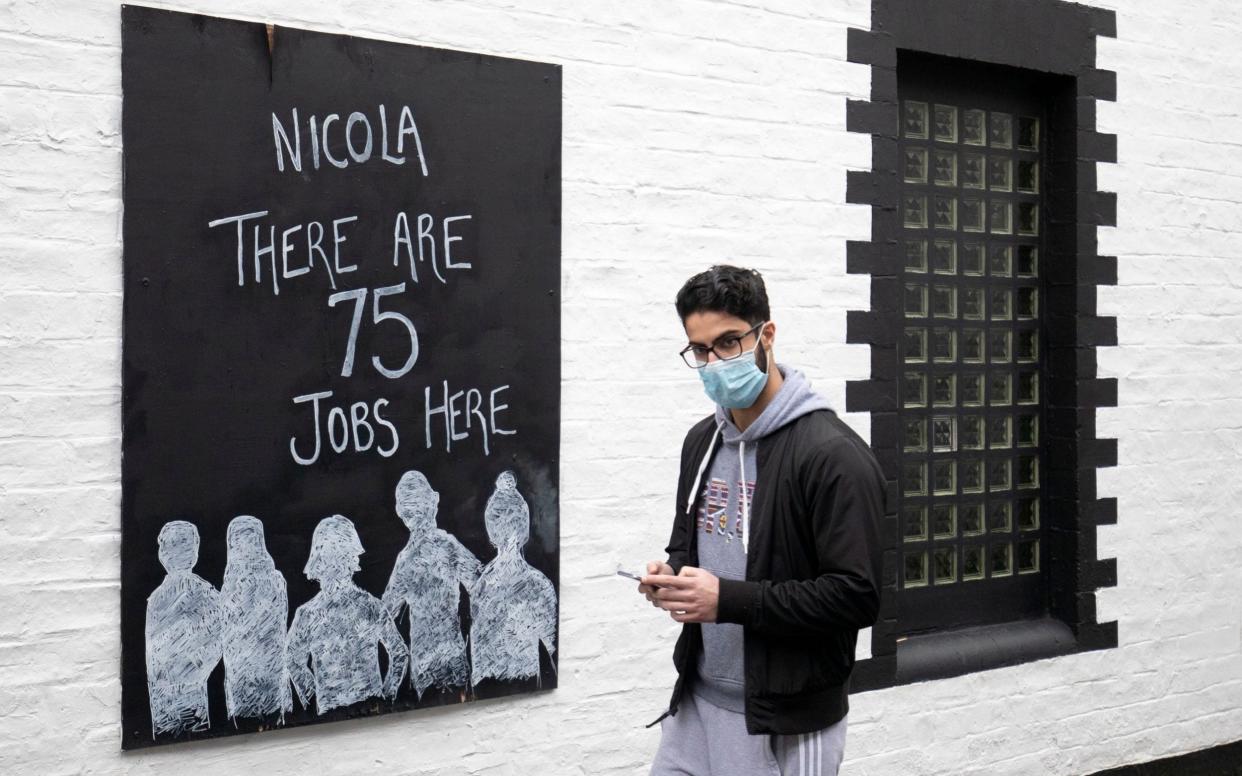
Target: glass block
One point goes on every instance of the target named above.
(915, 574)
(915, 169)
(1002, 559)
(999, 342)
(1028, 387)
(1000, 476)
(1000, 387)
(1028, 471)
(944, 301)
(1028, 430)
(914, 440)
(972, 259)
(972, 304)
(916, 255)
(944, 168)
(916, 345)
(915, 518)
(944, 521)
(999, 430)
(972, 214)
(1002, 304)
(971, 432)
(1028, 556)
(944, 477)
(971, 387)
(972, 346)
(942, 434)
(972, 171)
(1028, 218)
(944, 345)
(946, 212)
(1028, 133)
(944, 390)
(1000, 130)
(914, 478)
(972, 562)
(1027, 255)
(1000, 173)
(1027, 299)
(1028, 513)
(944, 563)
(972, 475)
(1028, 345)
(1000, 216)
(945, 123)
(914, 390)
(972, 127)
(916, 300)
(1000, 261)
(971, 518)
(999, 516)
(944, 257)
(1028, 176)
(914, 119)
(914, 207)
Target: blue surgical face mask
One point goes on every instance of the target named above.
(736, 383)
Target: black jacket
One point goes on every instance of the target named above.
(812, 570)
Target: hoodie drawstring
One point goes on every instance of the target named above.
(698, 478)
(744, 496)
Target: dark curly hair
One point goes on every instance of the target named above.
(727, 289)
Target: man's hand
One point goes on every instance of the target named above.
(691, 596)
(654, 567)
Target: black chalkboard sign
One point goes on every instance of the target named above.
(341, 381)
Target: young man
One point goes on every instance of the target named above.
(774, 560)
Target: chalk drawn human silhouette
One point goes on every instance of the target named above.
(427, 579)
(183, 636)
(255, 610)
(513, 605)
(339, 629)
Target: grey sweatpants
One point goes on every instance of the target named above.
(705, 740)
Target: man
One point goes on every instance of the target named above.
(774, 561)
(338, 632)
(427, 580)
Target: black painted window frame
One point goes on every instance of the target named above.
(1057, 39)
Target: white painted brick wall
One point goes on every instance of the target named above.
(694, 131)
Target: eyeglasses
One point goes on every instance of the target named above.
(725, 348)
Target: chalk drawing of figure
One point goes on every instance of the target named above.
(339, 629)
(427, 579)
(512, 606)
(182, 636)
(255, 611)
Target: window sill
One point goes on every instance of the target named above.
(966, 650)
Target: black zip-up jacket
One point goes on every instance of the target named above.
(812, 569)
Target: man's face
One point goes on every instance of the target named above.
(726, 332)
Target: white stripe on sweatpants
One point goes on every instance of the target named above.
(811, 754)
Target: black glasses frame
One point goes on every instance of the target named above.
(693, 363)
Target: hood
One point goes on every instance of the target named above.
(794, 399)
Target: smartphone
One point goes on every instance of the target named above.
(636, 577)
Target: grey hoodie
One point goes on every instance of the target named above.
(723, 523)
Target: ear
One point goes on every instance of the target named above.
(768, 335)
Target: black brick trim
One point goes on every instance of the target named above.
(1048, 36)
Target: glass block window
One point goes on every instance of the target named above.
(971, 375)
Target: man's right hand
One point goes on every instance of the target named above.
(654, 567)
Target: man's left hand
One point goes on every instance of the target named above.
(691, 596)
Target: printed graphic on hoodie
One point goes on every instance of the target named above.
(715, 505)
(721, 514)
